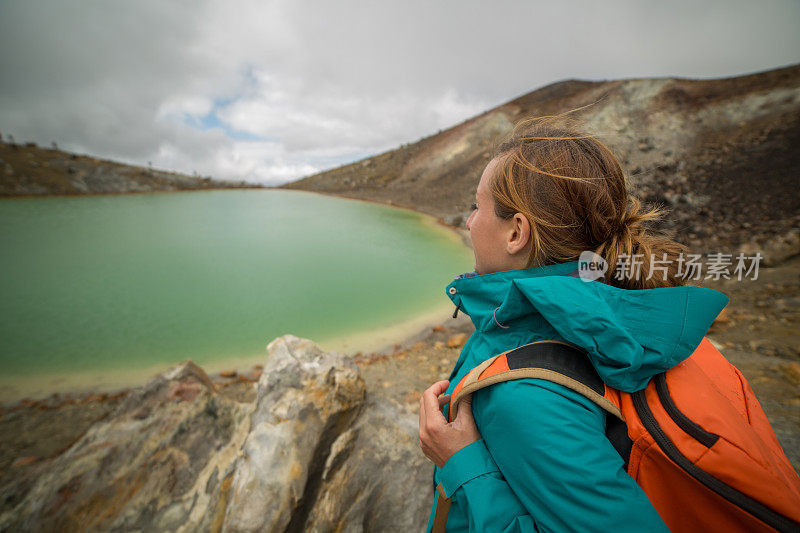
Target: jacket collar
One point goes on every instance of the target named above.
(478, 295)
(629, 335)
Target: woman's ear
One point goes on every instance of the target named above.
(519, 235)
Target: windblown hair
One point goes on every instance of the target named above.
(572, 190)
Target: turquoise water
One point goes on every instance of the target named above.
(135, 281)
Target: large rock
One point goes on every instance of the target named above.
(306, 399)
(162, 461)
(376, 478)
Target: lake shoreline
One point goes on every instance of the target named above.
(35, 387)
(460, 230)
(54, 388)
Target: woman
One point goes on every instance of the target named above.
(531, 455)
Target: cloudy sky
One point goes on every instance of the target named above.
(267, 91)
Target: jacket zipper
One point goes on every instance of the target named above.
(741, 500)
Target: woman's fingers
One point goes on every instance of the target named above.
(430, 414)
(424, 404)
(421, 412)
(438, 439)
(430, 397)
(443, 400)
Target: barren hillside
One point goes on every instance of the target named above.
(27, 169)
(722, 154)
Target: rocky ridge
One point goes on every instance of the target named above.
(720, 154)
(29, 170)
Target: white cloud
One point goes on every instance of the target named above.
(273, 90)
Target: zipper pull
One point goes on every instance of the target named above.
(455, 313)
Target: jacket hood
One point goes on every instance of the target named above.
(629, 335)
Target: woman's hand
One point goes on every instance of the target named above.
(439, 439)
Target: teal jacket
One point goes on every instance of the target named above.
(543, 462)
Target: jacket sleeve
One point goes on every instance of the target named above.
(555, 470)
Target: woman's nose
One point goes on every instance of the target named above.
(469, 219)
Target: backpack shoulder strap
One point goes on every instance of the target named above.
(551, 360)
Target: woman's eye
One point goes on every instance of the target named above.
(473, 207)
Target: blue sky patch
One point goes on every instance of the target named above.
(211, 121)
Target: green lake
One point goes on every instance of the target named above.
(125, 285)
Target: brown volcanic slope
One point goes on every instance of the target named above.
(721, 154)
(26, 169)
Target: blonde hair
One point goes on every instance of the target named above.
(573, 192)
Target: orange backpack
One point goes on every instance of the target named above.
(695, 439)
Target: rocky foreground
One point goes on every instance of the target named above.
(310, 441)
(305, 451)
(29, 170)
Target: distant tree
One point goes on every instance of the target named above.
(54, 145)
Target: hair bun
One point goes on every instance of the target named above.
(574, 194)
